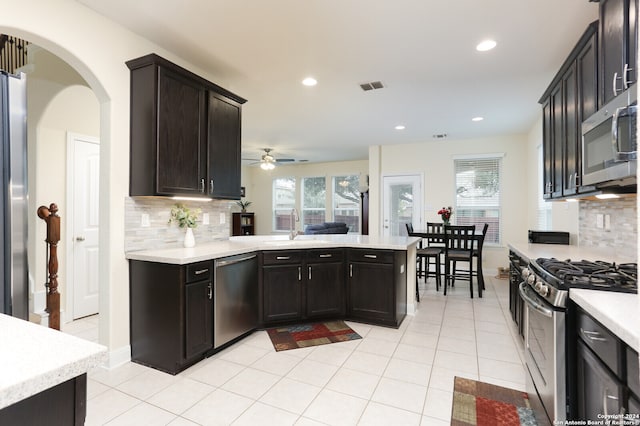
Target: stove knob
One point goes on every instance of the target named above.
(525, 273)
(544, 290)
(531, 279)
(538, 286)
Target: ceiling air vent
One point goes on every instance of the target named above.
(440, 136)
(371, 86)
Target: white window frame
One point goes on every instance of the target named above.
(274, 215)
(304, 209)
(357, 209)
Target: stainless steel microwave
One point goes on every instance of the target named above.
(609, 141)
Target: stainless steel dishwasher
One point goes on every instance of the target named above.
(235, 303)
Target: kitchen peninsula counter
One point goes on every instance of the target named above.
(34, 359)
(247, 244)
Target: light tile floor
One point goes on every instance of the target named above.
(399, 377)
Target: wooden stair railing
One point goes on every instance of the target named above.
(51, 218)
(13, 53)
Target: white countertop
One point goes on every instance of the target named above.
(559, 251)
(619, 312)
(246, 244)
(34, 358)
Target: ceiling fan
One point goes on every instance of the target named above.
(268, 161)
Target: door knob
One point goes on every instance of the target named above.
(79, 238)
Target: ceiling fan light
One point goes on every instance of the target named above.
(266, 165)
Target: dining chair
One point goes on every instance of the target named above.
(477, 251)
(458, 248)
(419, 259)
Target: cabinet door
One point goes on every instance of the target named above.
(570, 131)
(557, 141)
(282, 292)
(198, 318)
(325, 289)
(371, 291)
(547, 149)
(224, 147)
(587, 71)
(612, 49)
(181, 149)
(598, 392)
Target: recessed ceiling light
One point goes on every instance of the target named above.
(309, 81)
(486, 45)
(399, 127)
(477, 119)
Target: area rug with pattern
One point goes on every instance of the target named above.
(305, 335)
(483, 404)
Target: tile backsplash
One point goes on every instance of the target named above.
(161, 234)
(623, 224)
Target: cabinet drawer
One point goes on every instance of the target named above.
(328, 255)
(199, 271)
(603, 343)
(373, 256)
(633, 381)
(281, 257)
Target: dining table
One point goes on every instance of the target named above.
(478, 238)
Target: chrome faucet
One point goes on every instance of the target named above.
(293, 218)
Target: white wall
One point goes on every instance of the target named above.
(258, 184)
(434, 159)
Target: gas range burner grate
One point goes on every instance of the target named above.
(596, 275)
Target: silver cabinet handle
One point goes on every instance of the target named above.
(605, 398)
(326, 255)
(371, 256)
(299, 273)
(80, 238)
(309, 273)
(202, 185)
(351, 269)
(283, 257)
(625, 78)
(210, 291)
(615, 79)
(201, 271)
(211, 186)
(594, 336)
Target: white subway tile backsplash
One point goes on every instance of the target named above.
(160, 233)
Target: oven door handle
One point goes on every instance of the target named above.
(533, 303)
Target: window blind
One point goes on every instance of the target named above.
(478, 194)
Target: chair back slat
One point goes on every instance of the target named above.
(459, 237)
(435, 228)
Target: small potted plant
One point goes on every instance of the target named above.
(243, 205)
(185, 218)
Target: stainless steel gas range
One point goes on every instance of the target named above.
(545, 291)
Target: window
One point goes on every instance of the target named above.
(284, 199)
(543, 222)
(346, 201)
(478, 194)
(314, 192)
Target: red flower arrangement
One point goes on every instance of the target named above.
(445, 213)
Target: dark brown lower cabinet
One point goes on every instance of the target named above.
(299, 285)
(377, 286)
(599, 391)
(171, 310)
(62, 405)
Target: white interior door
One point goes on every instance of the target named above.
(84, 221)
(402, 203)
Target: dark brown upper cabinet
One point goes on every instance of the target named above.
(571, 97)
(618, 47)
(185, 133)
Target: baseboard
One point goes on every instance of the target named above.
(118, 357)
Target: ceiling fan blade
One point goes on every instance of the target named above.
(250, 159)
(284, 160)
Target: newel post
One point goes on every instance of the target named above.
(51, 218)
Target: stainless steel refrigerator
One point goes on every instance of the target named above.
(14, 289)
